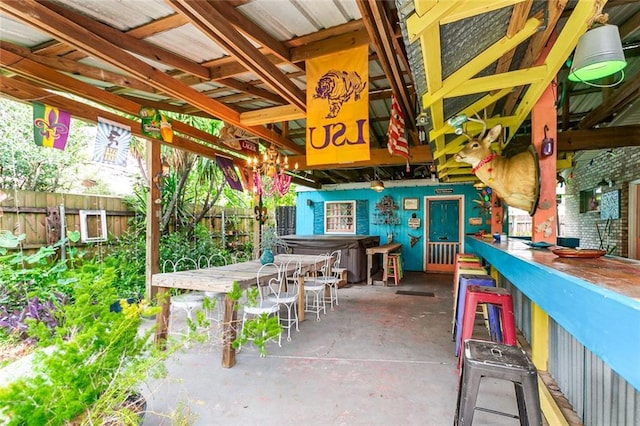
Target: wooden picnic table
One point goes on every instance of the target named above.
(220, 279)
(384, 250)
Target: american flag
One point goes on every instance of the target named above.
(397, 143)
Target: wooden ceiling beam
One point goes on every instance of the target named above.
(251, 29)
(26, 93)
(58, 81)
(77, 68)
(44, 19)
(591, 139)
(131, 44)
(380, 157)
(208, 20)
(382, 35)
(628, 92)
(251, 89)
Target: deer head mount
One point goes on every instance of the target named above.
(515, 180)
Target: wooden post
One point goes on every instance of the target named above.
(497, 213)
(154, 210)
(229, 333)
(544, 126)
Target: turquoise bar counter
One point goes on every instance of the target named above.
(597, 301)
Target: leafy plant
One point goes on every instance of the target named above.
(95, 357)
(269, 239)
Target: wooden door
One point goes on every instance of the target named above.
(443, 234)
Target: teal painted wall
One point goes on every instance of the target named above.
(413, 256)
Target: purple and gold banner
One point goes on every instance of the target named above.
(50, 126)
(229, 170)
(338, 107)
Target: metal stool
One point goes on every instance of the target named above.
(490, 359)
(491, 314)
(500, 313)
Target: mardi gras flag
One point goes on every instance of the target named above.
(155, 125)
(338, 107)
(397, 142)
(112, 143)
(227, 167)
(50, 126)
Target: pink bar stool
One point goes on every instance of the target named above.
(496, 296)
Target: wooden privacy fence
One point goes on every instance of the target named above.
(37, 215)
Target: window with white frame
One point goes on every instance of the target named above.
(340, 217)
(93, 226)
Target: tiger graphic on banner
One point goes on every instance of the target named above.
(338, 107)
(337, 87)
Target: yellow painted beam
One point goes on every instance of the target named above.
(482, 61)
(460, 179)
(272, 115)
(548, 406)
(430, 46)
(566, 162)
(423, 6)
(473, 127)
(500, 81)
(473, 8)
(417, 24)
(575, 26)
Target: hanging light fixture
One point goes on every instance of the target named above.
(377, 185)
(598, 55)
(270, 175)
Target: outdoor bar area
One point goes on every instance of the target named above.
(580, 316)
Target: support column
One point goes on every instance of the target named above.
(154, 210)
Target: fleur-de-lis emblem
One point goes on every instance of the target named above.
(49, 127)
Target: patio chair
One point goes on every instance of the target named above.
(332, 276)
(215, 312)
(285, 293)
(314, 288)
(263, 305)
(189, 301)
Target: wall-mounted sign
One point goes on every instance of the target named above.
(444, 191)
(475, 221)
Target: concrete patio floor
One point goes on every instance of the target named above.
(380, 358)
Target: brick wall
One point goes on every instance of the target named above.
(622, 166)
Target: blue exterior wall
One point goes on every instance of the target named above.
(413, 256)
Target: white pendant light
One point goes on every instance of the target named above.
(598, 55)
(377, 185)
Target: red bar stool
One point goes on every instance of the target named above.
(496, 296)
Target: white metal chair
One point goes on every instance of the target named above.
(215, 312)
(285, 293)
(188, 302)
(332, 276)
(263, 305)
(314, 288)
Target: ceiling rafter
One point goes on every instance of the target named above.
(58, 81)
(213, 24)
(26, 92)
(382, 35)
(627, 92)
(38, 16)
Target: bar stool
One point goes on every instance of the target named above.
(492, 313)
(471, 269)
(394, 268)
(495, 360)
(498, 299)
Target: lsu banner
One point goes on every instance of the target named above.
(226, 165)
(338, 107)
(50, 126)
(112, 143)
(397, 142)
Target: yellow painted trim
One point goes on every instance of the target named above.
(471, 128)
(430, 47)
(473, 8)
(503, 80)
(418, 24)
(480, 62)
(575, 26)
(552, 413)
(539, 337)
